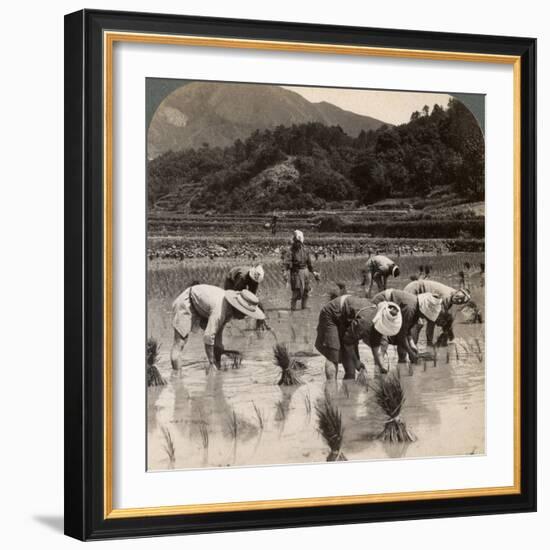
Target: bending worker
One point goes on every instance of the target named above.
(245, 278)
(241, 278)
(346, 320)
(298, 263)
(413, 308)
(377, 269)
(210, 308)
(449, 296)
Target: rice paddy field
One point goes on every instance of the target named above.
(240, 416)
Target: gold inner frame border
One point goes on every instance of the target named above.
(109, 39)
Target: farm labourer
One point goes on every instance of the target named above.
(346, 320)
(377, 269)
(339, 289)
(274, 224)
(413, 308)
(210, 308)
(298, 263)
(245, 278)
(241, 278)
(449, 296)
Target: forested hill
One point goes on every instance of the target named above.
(316, 166)
(218, 113)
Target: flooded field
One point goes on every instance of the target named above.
(240, 416)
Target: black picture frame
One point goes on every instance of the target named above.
(84, 282)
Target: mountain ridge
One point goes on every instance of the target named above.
(217, 114)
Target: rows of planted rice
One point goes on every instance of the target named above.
(274, 406)
(214, 423)
(165, 281)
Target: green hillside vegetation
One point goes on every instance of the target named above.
(438, 154)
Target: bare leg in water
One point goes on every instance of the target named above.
(176, 353)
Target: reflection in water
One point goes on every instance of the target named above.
(242, 417)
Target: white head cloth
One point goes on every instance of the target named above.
(257, 273)
(299, 236)
(385, 322)
(430, 305)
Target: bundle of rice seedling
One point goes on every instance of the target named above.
(390, 398)
(479, 351)
(472, 313)
(234, 359)
(330, 427)
(168, 445)
(260, 416)
(261, 324)
(307, 405)
(154, 377)
(286, 362)
(232, 421)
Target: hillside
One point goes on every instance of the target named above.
(436, 159)
(220, 113)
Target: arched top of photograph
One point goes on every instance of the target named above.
(351, 222)
(218, 147)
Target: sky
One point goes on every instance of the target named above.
(391, 107)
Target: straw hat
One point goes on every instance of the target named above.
(246, 302)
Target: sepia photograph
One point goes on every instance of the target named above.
(315, 265)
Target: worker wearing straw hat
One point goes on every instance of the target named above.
(346, 320)
(210, 308)
(450, 297)
(377, 269)
(413, 308)
(298, 263)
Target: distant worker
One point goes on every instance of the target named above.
(346, 320)
(241, 278)
(209, 308)
(298, 263)
(339, 289)
(449, 296)
(274, 220)
(377, 269)
(247, 278)
(413, 308)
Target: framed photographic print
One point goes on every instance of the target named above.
(300, 274)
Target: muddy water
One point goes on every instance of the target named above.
(238, 417)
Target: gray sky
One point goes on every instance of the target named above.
(392, 107)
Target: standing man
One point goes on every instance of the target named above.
(377, 269)
(274, 224)
(449, 296)
(210, 308)
(298, 263)
(413, 308)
